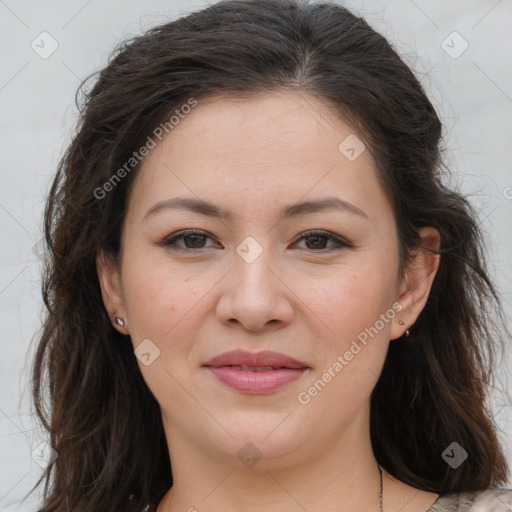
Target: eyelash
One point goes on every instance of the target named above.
(180, 235)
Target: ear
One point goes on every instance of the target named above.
(417, 281)
(111, 290)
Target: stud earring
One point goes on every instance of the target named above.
(406, 333)
(118, 320)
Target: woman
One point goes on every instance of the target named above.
(258, 279)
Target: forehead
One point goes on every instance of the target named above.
(267, 148)
(284, 125)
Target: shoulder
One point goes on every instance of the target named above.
(488, 500)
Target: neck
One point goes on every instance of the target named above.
(344, 475)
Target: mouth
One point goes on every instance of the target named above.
(256, 361)
(255, 373)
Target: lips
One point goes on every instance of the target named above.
(255, 373)
(258, 361)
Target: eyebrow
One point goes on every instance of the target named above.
(292, 210)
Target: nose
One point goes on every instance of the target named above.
(255, 295)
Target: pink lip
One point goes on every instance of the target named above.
(287, 369)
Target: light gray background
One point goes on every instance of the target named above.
(472, 92)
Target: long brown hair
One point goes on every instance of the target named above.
(103, 421)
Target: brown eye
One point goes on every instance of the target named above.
(196, 241)
(317, 241)
(192, 239)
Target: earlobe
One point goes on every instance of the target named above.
(417, 280)
(111, 290)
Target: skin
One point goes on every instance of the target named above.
(302, 297)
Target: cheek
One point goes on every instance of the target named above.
(353, 345)
(351, 303)
(164, 305)
(350, 299)
(158, 297)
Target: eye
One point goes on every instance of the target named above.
(193, 239)
(318, 239)
(196, 239)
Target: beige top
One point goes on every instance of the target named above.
(490, 500)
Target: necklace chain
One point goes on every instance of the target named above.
(379, 503)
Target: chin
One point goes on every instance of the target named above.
(263, 441)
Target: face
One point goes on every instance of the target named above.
(260, 272)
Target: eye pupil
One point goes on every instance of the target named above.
(316, 237)
(194, 242)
